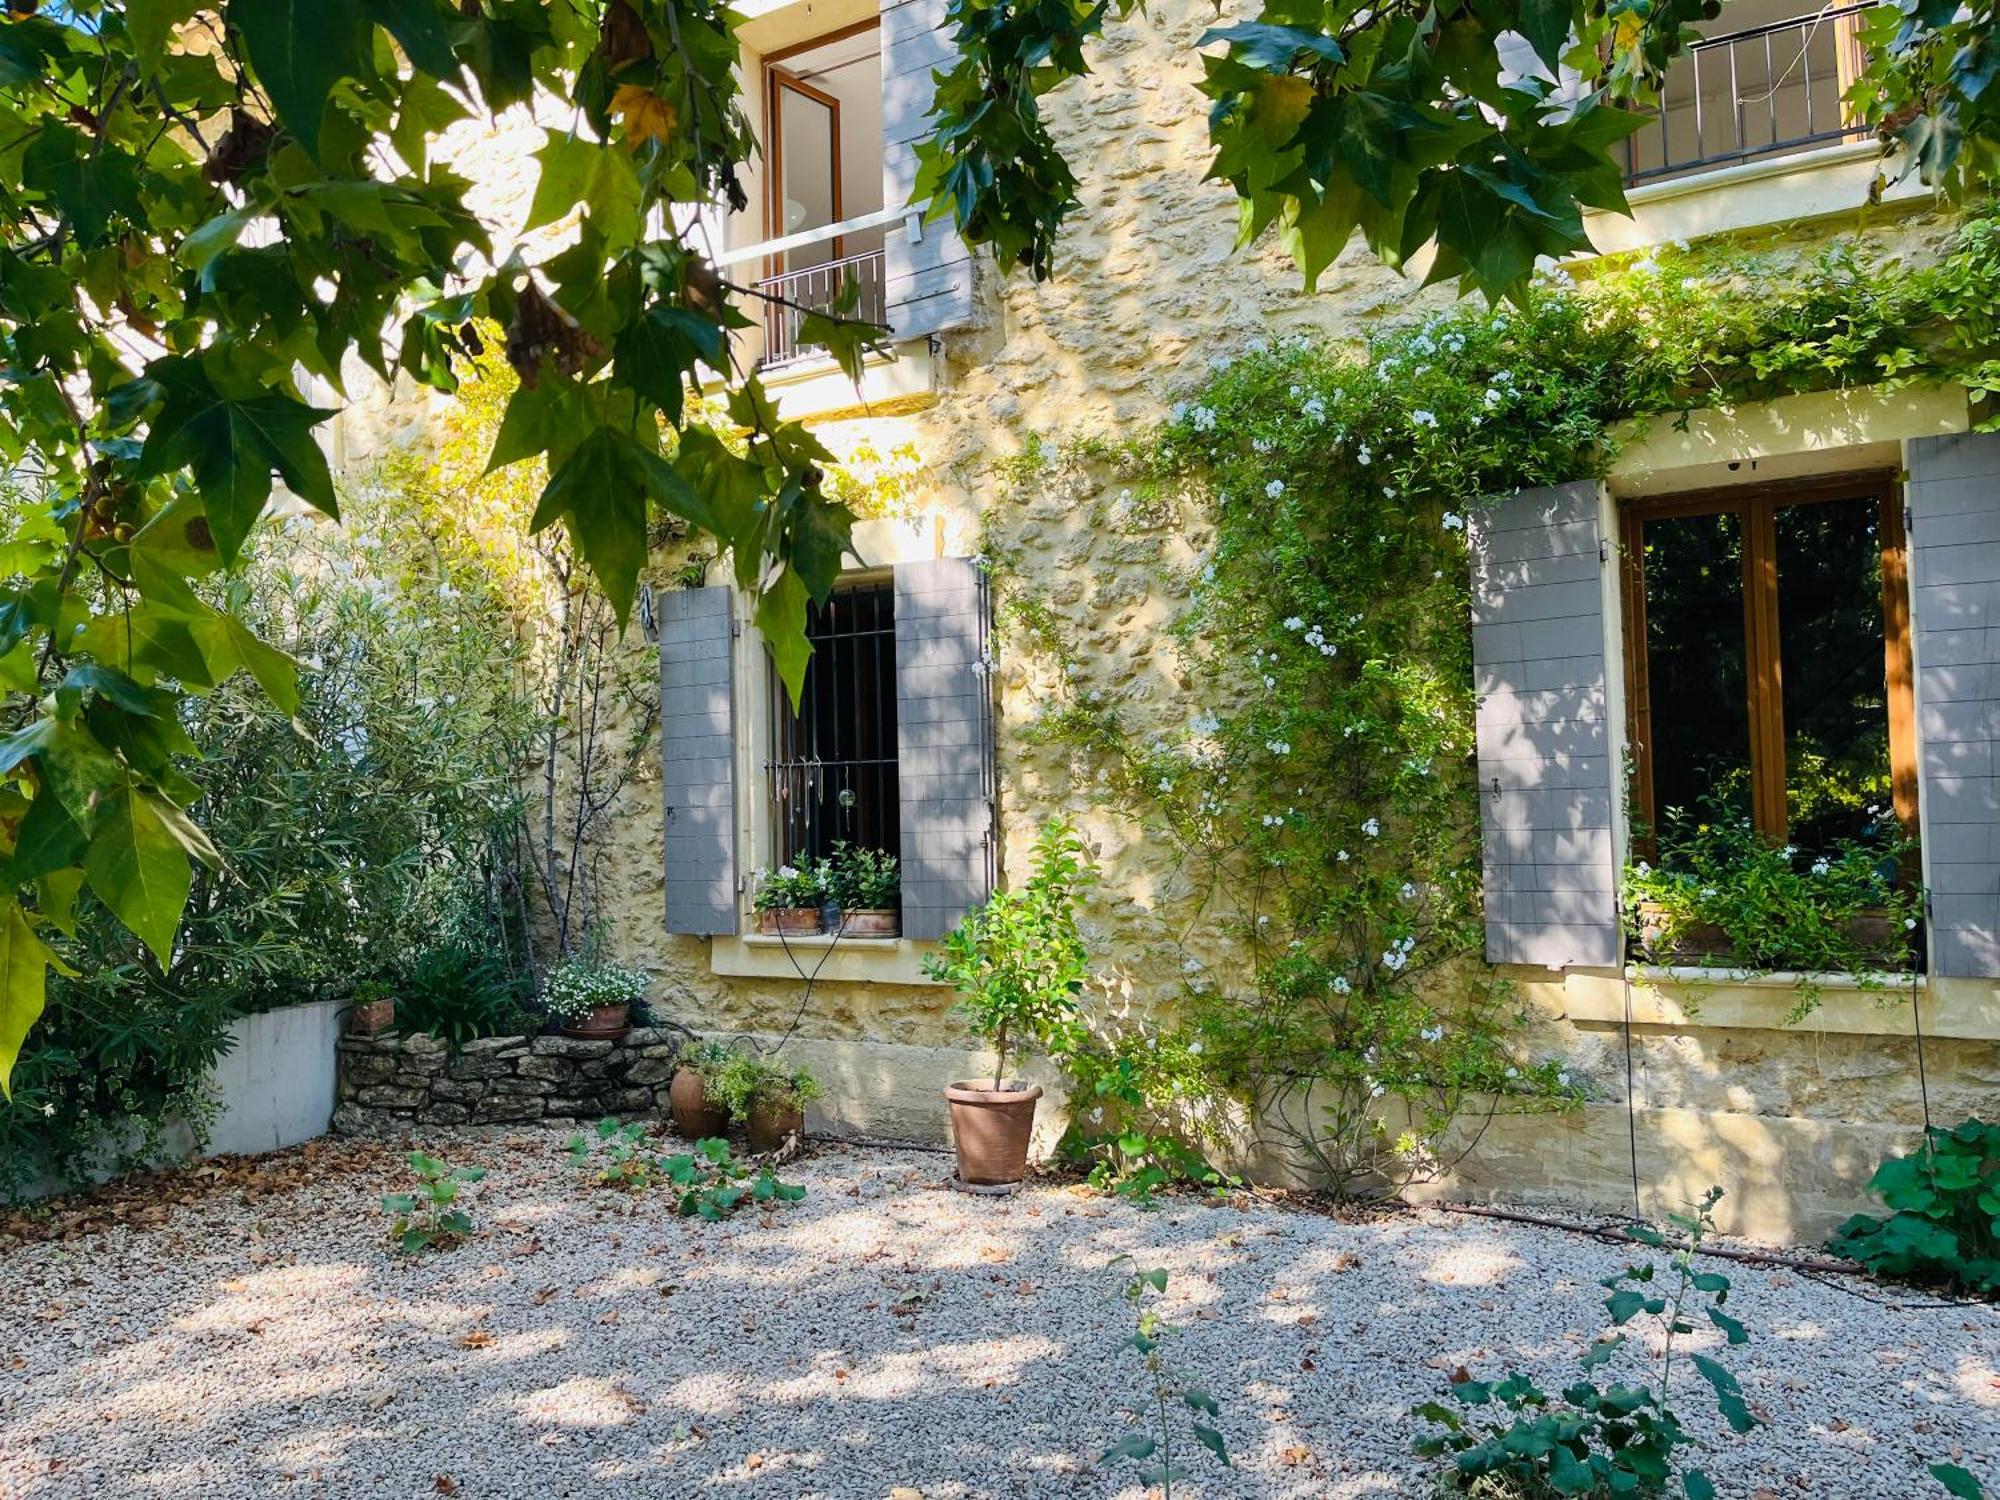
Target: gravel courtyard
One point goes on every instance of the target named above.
(250, 1334)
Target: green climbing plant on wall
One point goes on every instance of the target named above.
(1318, 785)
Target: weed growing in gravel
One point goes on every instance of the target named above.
(429, 1218)
(1598, 1441)
(707, 1182)
(1944, 1222)
(1141, 1290)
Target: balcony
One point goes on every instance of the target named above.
(1760, 91)
(807, 272)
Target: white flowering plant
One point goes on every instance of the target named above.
(576, 987)
(810, 882)
(1324, 502)
(1722, 893)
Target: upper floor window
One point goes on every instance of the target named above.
(1763, 80)
(1768, 662)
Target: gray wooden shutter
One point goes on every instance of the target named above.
(1954, 509)
(928, 278)
(1546, 776)
(698, 758)
(944, 735)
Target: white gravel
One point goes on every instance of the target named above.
(884, 1338)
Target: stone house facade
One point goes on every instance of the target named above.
(1694, 1075)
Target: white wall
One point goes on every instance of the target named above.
(276, 1084)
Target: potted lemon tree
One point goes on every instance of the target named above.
(1018, 964)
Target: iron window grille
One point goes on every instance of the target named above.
(831, 777)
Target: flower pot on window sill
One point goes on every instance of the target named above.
(990, 1128)
(768, 1126)
(695, 1119)
(791, 921)
(601, 1023)
(1879, 937)
(872, 922)
(372, 1017)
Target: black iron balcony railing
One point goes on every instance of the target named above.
(1758, 92)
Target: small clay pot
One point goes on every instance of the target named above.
(872, 922)
(605, 1022)
(372, 1017)
(695, 1118)
(792, 921)
(990, 1128)
(767, 1126)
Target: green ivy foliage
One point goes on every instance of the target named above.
(1943, 1226)
(1321, 796)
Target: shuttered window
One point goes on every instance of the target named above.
(1768, 662)
(891, 747)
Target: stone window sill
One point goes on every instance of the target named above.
(1704, 999)
(847, 960)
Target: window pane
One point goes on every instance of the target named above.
(1830, 651)
(1696, 676)
(832, 772)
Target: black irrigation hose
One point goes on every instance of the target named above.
(1833, 1273)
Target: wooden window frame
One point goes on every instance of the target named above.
(1758, 505)
(777, 81)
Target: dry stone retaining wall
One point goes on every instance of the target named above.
(392, 1081)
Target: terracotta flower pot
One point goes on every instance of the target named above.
(767, 1126)
(372, 1017)
(791, 921)
(990, 1129)
(872, 922)
(694, 1117)
(604, 1021)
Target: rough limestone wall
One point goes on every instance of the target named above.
(1148, 290)
(389, 1083)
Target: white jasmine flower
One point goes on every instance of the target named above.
(1165, 785)
(1341, 856)
(1513, 1073)
(1433, 1033)
(1363, 456)
(1820, 867)
(1294, 622)
(1274, 489)
(1341, 986)
(1394, 959)
(1373, 827)
(1409, 891)
(1314, 410)
(1422, 418)
(1453, 521)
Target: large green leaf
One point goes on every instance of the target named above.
(91, 184)
(600, 493)
(419, 30)
(300, 49)
(24, 969)
(138, 867)
(233, 444)
(781, 619)
(151, 25)
(577, 171)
